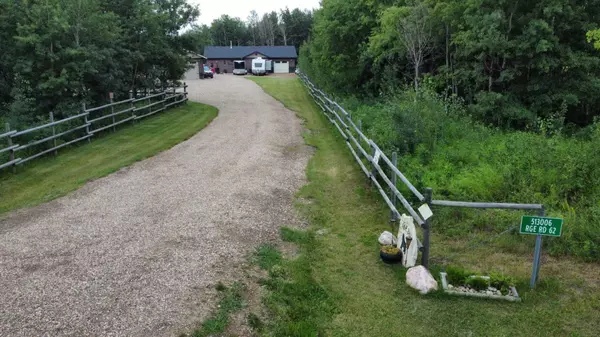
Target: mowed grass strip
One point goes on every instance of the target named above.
(372, 299)
(52, 177)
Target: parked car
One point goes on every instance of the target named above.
(208, 72)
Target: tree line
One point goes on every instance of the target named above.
(516, 64)
(57, 54)
(286, 28)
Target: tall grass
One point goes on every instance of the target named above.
(440, 146)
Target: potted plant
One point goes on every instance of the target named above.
(390, 254)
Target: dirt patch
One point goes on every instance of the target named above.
(239, 325)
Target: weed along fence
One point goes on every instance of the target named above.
(374, 163)
(50, 137)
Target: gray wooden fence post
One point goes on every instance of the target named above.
(174, 93)
(373, 162)
(185, 90)
(53, 132)
(393, 216)
(112, 111)
(10, 143)
(132, 107)
(87, 126)
(426, 230)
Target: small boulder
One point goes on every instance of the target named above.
(322, 231)
(387, 239)
(420, 278)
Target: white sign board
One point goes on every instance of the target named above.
(425, 211)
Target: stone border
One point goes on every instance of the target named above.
(516, 298)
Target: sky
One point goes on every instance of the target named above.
(212, 9)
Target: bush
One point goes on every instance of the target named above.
(502, 282)
(477, 283)
(441, 147)
(457, 276)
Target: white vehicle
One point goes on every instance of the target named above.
(259, 66)
(239, 67)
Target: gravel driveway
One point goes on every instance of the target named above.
(138, 253)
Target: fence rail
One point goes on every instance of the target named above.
(354, 136)
(94, 120)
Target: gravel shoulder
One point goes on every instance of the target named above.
(138, 253)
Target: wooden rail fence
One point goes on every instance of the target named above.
(369, 157)
(89, 122)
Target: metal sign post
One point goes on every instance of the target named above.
(539, 226)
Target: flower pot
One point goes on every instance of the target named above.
(390, 258)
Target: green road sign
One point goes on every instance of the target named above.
(540, 225)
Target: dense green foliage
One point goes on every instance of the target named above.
(443, 148)
(485, 100)
(288, 27)
(57, 54)
(516, 63)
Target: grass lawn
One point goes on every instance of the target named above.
(52, 177)
(337, 286)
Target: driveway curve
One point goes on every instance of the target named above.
(138, 253)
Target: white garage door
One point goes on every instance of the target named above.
(281, 67)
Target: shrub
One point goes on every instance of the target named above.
(502, 282)
(478, 283)
(441, 147)
(457, 276)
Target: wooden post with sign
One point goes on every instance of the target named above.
(425, 211)
(539, 226)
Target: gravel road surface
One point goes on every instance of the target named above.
(138, 253)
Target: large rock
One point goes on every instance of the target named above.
(387, 239)
(419, 278)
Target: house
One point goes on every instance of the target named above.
(221, 58)
(195, 61)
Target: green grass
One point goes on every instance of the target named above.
(267, 256)
(52, 177)
(231, 300)
(337, 286)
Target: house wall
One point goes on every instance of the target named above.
(227, 64)
(220, 65)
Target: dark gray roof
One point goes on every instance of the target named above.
(239, 52)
